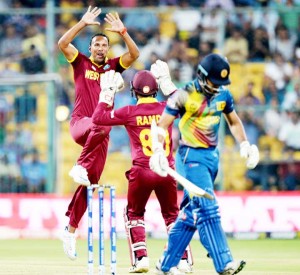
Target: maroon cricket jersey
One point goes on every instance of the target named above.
(137, 121)
(87, 83)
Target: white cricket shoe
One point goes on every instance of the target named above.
(185, 266)
(173, 270)
(69, 244)
(141, 266)
(79, 175)
(233, 267)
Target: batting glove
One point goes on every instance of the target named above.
(111, 82)
(158, 162)
(250, 153)
(161, 72)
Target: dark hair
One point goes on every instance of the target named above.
(99, 34)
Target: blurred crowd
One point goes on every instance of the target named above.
(264, 32)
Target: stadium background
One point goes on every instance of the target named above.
(261, 39)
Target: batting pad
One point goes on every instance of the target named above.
(214, 240)
(179, 238)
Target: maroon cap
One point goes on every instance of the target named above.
(144, 83)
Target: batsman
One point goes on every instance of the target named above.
(200, 105)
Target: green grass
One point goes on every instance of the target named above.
(45, 257)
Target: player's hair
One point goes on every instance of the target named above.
(99, 34)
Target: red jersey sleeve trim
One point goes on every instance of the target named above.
(72, 60)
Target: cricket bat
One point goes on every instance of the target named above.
(189, 186)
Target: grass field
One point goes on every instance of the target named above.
(45, 257)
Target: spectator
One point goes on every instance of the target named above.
(19, 20)
(252, 124)
(292, 97)
(272, 118)
(33, 37)
(194, 39)
(236, 47)
(10, 43)
(249, 98)
(34, 172)
(289, 176)
(178, 58)
(10, 176)
(144, 21)
(260, 48)
(211, 23)
(8, 71)
(25, 107)
(265, 175)
(270, 91)
(32, 61)
(222, 4)
(158, 45)
(11, 148)
(205, 48)
(289, 132)
(5, 112)
(285, 43)
(278, 70)
(186, 19)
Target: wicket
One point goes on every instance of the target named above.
(113, 237)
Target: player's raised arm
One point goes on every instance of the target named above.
(161, 72)
(117, 26)
(64, 43)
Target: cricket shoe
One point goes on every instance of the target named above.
(69, 244)
(173, 270)
(79, 175)
(233, 268)
(184, 266)
(141, 266)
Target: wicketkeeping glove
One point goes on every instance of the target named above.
(161, 72)
(110, 82)
(250, 153)
(158, 162)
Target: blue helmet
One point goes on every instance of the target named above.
(215, 68)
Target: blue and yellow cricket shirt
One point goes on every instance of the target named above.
(199, 115)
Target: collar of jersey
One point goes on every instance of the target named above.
(146, 100)
(92, 60)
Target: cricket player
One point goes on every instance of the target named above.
(93, 138)
(142, 181)
(200, 106)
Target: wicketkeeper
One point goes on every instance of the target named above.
(142, 181)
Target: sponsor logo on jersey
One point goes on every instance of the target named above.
(106, 67)
(221, 105)
(89, 74)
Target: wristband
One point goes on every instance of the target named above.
(123, 32)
